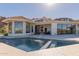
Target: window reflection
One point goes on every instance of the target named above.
(27, 27)
(66, 29)
(18, 27)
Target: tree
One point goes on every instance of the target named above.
(2, 27)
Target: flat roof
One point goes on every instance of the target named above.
(18, 18)
(42, 21)
(56, 21)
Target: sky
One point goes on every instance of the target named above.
(38, 10)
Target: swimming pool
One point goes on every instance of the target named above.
(29, 44)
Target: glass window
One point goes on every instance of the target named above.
(66, 29)
(32, 28)
(59, 26)
(10, 27)
(27, 27)
(18, 27)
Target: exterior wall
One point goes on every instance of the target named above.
(53, 28)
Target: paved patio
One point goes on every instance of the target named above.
(6, 50)
(64, 50)
(71, 50)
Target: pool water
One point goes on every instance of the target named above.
(35, 44)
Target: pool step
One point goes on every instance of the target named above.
(46, 45)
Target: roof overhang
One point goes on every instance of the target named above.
(41, 22)
(14, 20)
(58, 22)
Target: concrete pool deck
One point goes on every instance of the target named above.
(70, 50)
(7, 50)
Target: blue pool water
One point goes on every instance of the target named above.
(35, 44)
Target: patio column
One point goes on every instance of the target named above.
(7, 28)
(30, 28)
(77, 29)
(34, 29)
(13, 26)
(53, 28)
(24, 27)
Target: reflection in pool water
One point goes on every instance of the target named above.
(35, 44)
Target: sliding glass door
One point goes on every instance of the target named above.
(66, 28)
(18, 27)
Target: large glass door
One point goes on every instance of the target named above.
(66, 28)
(18, 27)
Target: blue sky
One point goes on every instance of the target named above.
(31, 10)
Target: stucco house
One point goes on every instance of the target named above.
(20, 25)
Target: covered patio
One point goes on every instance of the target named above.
(19, 26)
